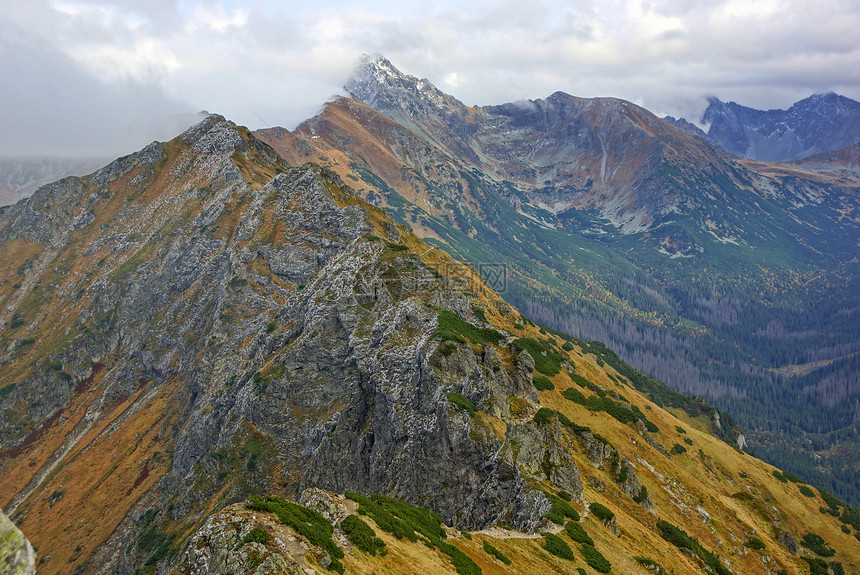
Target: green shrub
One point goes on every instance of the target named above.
(6, 390)
(542, 383)
(780, 476)
(362, 535)
(560, 510)
(678, 449)
(577, 533)
(573, 395)
(595, 559)
(496, 553)
(792, 477)
(601, 512)
(306, 522)
(466, 534)
(462, 403)
(805, 490)
(463, 564)
(642, 495)
(447, 349)
(403, 521)
(816, 566)
(851, 516)
(601, 402)
(564, 495)
(680, 539)
(688, 441)
(817, 545)
(385, 520)
(680, 429)
(480, 314)
(157, 543)
(754, 543)
(255, 535)
(452, 328)
(547, 360)
(556, 545)
(544, 415)
(271, 326)
(831, 500)
(567, 346)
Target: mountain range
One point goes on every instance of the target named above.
(220, 356)
(819, 123)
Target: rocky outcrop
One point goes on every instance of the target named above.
(629, 484)
(788, 541)
(544, 453)
(217, 548)
(16, 554)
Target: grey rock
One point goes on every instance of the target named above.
(540, 451)
(16, 554)
(216, 549)
(788, 541)
(631, 485)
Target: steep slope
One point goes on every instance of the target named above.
(714, 275)
(819, 123)
(199, 322)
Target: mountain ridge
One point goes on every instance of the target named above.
(813, 125)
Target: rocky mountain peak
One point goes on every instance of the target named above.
(379, 84)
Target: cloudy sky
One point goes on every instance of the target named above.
(107, 76)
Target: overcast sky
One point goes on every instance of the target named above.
(108, 76)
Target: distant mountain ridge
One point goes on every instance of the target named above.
(20, 177)
(819, 123)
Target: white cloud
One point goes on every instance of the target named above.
(271, 62)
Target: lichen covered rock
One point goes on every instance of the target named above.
(16, 554)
